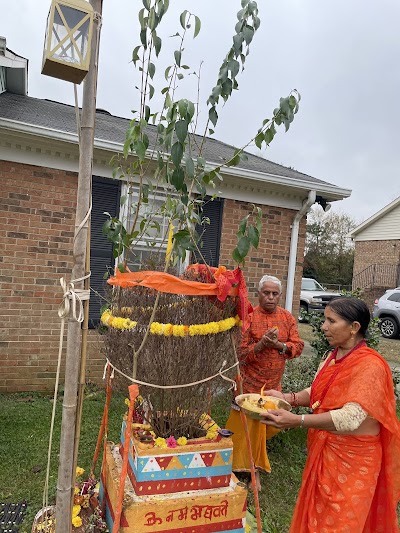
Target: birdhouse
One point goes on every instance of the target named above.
(66, 54)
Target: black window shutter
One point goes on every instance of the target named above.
(105, 199)
(210, 233)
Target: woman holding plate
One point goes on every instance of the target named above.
(351, 480)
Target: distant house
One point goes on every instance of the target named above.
(377, 251)
(38, 184)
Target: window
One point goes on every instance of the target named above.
(151, 246)
(308, 284)
(395, 297)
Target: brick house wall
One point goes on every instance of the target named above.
(37, 210)
(375, 252)
(272, 256)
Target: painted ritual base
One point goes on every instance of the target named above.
(189, 511)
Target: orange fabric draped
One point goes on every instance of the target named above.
(351, 483)
(221, 283)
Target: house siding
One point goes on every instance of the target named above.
(387, 227)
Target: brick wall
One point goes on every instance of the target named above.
(272, 256)
(380, 253)
(37, 213)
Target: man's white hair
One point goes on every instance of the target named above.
(266, 278)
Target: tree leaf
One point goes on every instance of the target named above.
(182, 19)
(243, 226)
(140, 149)
(181, 130)
(197, 26)
(182, 107)
(248, 33)
(151, 92)
(152, 19)
(234, 66)
(190, 110)
(270, 134)
(146, 4)
(253, 235)
(177, 153)
(213, 115)
(259, 139)
(157, 43)
(151, 70)
(143, 38)
(178, 55)
(135, 55)
(237, 42)
(177, 178)
(166, 73)
(189, 166)
(234, 161)
(236, 256)
(243, 246)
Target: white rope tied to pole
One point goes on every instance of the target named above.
(73, 299)
(219, 374)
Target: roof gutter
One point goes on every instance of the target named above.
(294, 239)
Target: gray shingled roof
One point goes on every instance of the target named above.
(61, 117)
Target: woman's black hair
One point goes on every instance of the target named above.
(352, 310)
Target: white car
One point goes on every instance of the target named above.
(313, 296)
(387, 309)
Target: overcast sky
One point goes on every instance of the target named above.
(341, 55)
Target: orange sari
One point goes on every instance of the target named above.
(351, 483)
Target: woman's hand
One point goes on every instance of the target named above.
(274, 393)
(280, 418)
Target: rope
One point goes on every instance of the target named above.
(72, 300)
(220, 374)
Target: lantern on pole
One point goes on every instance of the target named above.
(66, 54)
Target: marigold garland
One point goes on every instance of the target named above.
(172, 330)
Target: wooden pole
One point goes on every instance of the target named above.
(72, 365)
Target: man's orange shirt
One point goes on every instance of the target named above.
(267, 367)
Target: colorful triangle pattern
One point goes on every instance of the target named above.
(197, 461)
(208, 458)
(175, 464)
(151, 466)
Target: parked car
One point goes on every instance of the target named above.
(314, 297)
(387, 309)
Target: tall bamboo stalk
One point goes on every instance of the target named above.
(72, 365)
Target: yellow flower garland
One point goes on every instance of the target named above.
(172, 330)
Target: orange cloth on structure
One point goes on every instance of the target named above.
(351, 483)
(224, 283)
(256, 370)
(267, 366)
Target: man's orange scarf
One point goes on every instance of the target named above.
(337, 492)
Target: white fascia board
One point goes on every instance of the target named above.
(335, 193)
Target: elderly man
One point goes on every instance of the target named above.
(270, 338)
